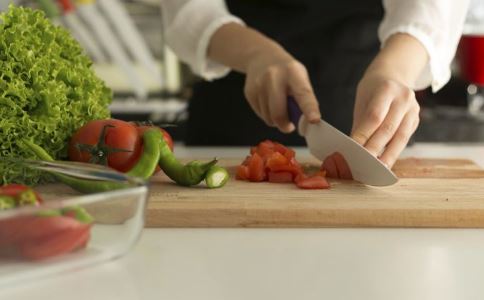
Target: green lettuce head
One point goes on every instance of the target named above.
(47, 90)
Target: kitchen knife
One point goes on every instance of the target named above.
(323, 140)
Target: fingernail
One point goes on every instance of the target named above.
(288, 128)
(384, 162)
(313, 117)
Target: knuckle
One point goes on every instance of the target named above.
(373, 148)
(270, 73)
(303, 91)
(375, 116)
(295, 66)
(403, 135)
(387, 86)
(408, 94)
(388, 128)
(361, 137)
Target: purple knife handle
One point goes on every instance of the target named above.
(293, 110)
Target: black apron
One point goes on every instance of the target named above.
(335, 40)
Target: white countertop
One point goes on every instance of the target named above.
(303, 264)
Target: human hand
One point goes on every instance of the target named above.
(271, 78)
(386, 115)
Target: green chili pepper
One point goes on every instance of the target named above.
(49, 213)
(79, 213)
(216, 177)
(190, 174)
(27, 197)
(7, 202)
(144, 167)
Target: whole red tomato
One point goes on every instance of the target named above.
(119, 148)
(166, 135)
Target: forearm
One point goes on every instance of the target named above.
(402, 58)
(236, 46)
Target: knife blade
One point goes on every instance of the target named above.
(323, 140)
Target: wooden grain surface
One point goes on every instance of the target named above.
(430, 193)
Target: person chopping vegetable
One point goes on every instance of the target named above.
(354, 63)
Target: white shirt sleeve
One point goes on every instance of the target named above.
(188, 26)
(437, 24)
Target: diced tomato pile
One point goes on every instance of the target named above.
(273, 162)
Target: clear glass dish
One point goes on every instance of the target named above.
(118, 219)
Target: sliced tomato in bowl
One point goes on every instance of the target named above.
(60, 243)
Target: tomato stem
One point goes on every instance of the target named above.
(100, 151)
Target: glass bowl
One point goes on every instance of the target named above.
(40, 241)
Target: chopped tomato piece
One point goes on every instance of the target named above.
(299, 177)
(321, 173)
(253, 150)
(276, 159)
(344, 170)
(290, 154)
(287, 152)
(279, 148)
(314, 182)
(280, 177)
(329, 165)
(242, 172)
(256, 168)
(246, 161)
(265, 149)
(294, 169)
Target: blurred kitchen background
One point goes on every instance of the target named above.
(125, 40)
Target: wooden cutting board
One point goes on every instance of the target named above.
(430, 193)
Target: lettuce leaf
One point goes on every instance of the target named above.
(47, 89)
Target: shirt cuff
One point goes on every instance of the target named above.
(437, 71)
(189, 28)
(205, 67)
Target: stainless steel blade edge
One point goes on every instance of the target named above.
(323, 140)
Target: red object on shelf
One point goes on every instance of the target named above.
(66, 6)
(471, 58)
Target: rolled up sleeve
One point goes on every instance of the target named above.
(188, 26)
(437, 24)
